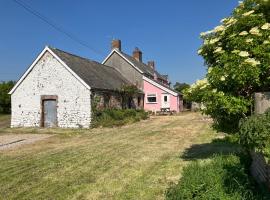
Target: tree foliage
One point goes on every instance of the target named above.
(237, 56)
(179, 87)
(254, 133)
(5, 104)
(127, 93)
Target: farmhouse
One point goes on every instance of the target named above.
(59, 89)
(156, 87)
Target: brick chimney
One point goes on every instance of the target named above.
(152, 64)
(116, 44)
(137, 54)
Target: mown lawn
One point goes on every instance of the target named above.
(138, 161)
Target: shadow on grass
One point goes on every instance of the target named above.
(208, 150)
(225, 176)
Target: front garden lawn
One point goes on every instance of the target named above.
(138, 161)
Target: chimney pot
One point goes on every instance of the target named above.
(152, 64)
(137, 54)
(116, 44)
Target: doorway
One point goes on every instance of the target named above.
(49, 112)
(165, 101)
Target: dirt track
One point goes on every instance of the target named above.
(16, 140)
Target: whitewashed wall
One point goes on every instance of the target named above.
(49, 77)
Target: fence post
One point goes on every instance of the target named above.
(261, 102)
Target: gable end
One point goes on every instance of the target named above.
(122, 56)
(35, 62)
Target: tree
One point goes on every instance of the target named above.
(179, 87)
(237, 56)
(5, 104)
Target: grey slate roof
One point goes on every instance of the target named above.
(143, 67)
(94, 74)
(148, 70)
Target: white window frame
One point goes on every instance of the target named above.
(151, 95)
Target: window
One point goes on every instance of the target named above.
(165, 98)
(151, 98)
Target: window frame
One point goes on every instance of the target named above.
(151, 95)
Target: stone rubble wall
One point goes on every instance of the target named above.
(50, 77)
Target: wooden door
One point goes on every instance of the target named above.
(49, 113)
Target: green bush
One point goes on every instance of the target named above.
(5, 104)
(254, 133)
(117, 117)
(223, 177)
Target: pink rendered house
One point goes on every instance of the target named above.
(156, 87)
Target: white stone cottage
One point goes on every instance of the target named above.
(57, 90)
(60, 89)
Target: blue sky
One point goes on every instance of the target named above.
(165, 31)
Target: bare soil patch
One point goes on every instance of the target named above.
(15, 140)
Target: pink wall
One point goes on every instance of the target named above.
(151, 89)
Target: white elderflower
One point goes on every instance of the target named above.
(222, 78)
(219, 28)
(215, 40)
(266, 26)
(243, 54)
(266, 42)
(210, 69)
(249, 40)
(223, 20)
(200, 84)
(214, 90)
(252, 61)
(205, 33)
(248, 13)
(221, 93)
(218, 50)
(200, 51)
(243, 33)
(203, 107)
(202, 34)
(255, 31)
(229, 21)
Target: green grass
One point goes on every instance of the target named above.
(137, 161)
(220, 170)
(223, 177)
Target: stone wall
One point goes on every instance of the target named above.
(106, 99)
(261, 102)
(110, 99)
(49, 77)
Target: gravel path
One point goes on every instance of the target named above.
(16, 140)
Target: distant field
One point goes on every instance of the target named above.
(138, 161)
(4, 121)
